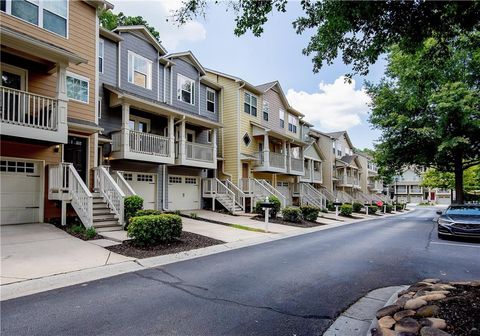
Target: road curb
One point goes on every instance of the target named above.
(359, 317)
(34, 286)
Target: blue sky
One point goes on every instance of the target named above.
(324, 98)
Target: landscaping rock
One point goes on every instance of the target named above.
(404, 333)
(383, 332)
(432, 297)
(441, 287)
(401, 301)
(433, 281)
(429, 331)
(415, 303)
(388, 310)
(403, 313)
(433, 322)
(386, 322)
(407, 324)
(428, 311)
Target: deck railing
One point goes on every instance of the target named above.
(277, 160)
(141, 142)
(199, 152)
(296, 164)
(110, 191)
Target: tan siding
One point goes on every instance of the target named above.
(325, 144)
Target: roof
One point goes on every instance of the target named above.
(335, 135)
(101, 4)
(191, 57)
(243, 82)
(267, 86)
(109, 35)
(142, 29)
(270, 85)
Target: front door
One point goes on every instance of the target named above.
(75, 152)
(245, 170)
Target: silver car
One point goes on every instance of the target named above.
(459, 220)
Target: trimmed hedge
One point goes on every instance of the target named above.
(273, 211)
(389, 208)
(357, 206)
(372, 209)
(330, 206)
(154, 229)
(131, 205)
(291, 214)
(147, 212)
(346, 209)
(310, 212)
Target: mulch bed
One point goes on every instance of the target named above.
(187, 241)
(278, 220)
(461, 311)
(77, 235)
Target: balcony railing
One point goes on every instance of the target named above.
(415, 190)
(296, 164)
(140, 142)
(277, 160)
(317, 175)
(28, 109)
(306, 173)
(348, 180)
(199, 152)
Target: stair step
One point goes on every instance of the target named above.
(101, 211)
(109, 216)
(103, 222)
(108, 228)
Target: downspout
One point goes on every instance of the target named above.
(238, 131)
(164, 189)
(119, 62)
(223, 140)
(158, 76)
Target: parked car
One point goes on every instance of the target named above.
(459, 220)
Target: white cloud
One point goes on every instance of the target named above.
(337, 106)
(156, 13)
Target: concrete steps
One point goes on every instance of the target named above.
(104, 219)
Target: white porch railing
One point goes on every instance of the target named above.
(28, 109)
(140, 142)
(317, 175)
(239, 194)
(310, 195)
(274, 192)
(307, 174)
(199, 152)
(296, 164)
(214, 188)
(328, 195)
(342, 196)
(277, 160)
(123, 184)
(111, 192)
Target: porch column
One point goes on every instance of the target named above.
(125, 127)
(171, 137)
(62, 100)
(285, 155)
(182, 154)
(266, 150)
(214, 141)
(345, 177)
(289, 161)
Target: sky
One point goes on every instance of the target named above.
(325, 98)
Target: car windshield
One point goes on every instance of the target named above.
(464, 210)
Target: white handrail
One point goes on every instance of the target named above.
(199, 152)
(274, 192)
(313, 195)
(123, 184)
(239, 195)
(110, 191)
(211, 187)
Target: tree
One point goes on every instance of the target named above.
(428, 107)
(360, 30)
(432, 178)
(110, 21)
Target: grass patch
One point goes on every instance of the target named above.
(247, 228)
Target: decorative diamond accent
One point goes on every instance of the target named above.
(247, 140)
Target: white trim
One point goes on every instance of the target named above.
(192, 93)
(137, 119)
(101, 42)
(80, 78)
(267, 112)
(209, 136)
(245, 92)
(214, 100)
(97, 64)
(192, 132)
(87, 177)
(131, 70)
(23, 73)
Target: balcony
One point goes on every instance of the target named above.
(296, 166)
(195, 154)
(348, 181)
(312, 172)
(401, 191)
(133, 145)
(416, 190)
(271, 162)
(375, 186)
(33, 116)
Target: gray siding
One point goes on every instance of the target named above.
(186, 69)
(203, 103)
(168, 72)
(143, 48)
(110, 63)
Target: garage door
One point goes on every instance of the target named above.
(284, 189)
(183, 192)
(443, 200)
(145, 185)
(415, 199)
(20, 185)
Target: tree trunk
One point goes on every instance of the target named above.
(458, 179)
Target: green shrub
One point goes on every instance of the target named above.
(291, 214)
(273, 211)
(131, 205)
(324, 210)
(90, 233)
(372, 209)
(154, 229)
(193, 215)
(356, 207)
(330, 206)
(399, 206)
(147, 212)
(310, 212)
(346, 209)
(77, 228)
(389, 208)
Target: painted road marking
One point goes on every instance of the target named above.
(453, 244)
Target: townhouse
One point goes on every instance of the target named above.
(160, 118)
(48, 106)
(370, 183)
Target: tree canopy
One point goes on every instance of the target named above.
(357, 31)
(110, 21)
(432, 178)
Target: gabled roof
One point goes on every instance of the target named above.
(192, 59)
(100, 4)
(140, 28)
(336, 135)
(270, 85)
(247, 85)
(314, 145)
(109, 35)
(348, 159)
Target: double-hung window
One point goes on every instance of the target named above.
(266, 110)
(101, 52)
(77, 87)
(47, 14)
(185, 89)
(211, 100)
(292, 123)
(281, 114)
(250, 104)
(139, 70)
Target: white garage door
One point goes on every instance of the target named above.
(416, 199)
(284, 189)
(20, 186)
(443, 200)
(145, 185)
(183, 192)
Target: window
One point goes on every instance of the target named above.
(292, 123)
(101, 47)
(128, 176)
(77, 87)
(139, 70)
(211, 100)
(17, 167)
(266, 110)
(185, 89)
(247, 140)
(139, 124)
(174, 179)
(50, 15)
(250, 104)
(190, 180)
(144, 178)
(281, 114)
(99, 107)
(209, 136)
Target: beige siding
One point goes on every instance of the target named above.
(325, 144)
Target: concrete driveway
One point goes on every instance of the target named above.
(32, 251)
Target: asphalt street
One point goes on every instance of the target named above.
(294, 286)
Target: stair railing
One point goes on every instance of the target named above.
(274, 192)
(110, 191)
(315, 196)
(239, 195)
(123, 184)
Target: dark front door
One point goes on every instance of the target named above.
(75, 151)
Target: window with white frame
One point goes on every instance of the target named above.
(185, 89)
(47, 14)
(77, 87)
(266, 110)
(139, 124)
(139, 70)
(333, 147)
(211, 100)
(209, 136)
(281, 114)
(101, 52)
(292, 123)
(99, 107)
(250, 104)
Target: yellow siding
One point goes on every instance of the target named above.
(325, 144)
